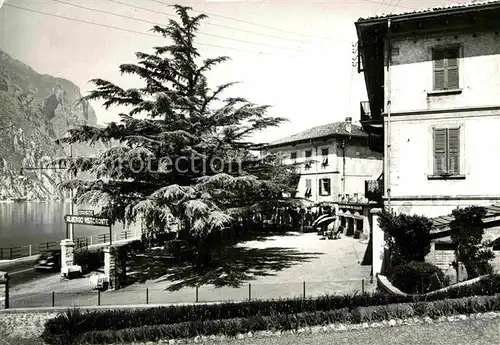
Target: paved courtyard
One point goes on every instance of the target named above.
(275, 267)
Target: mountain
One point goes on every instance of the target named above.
(36, 109)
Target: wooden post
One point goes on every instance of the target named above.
(98, 297)
(363, 286)
(249, 291)
(196, 293)
(304, 290)
(29, 249)
(53, 299)
(147, 296)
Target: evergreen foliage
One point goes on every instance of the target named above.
(408, 236)
(467, 235)
(184, 149)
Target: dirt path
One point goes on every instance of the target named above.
(333, 267)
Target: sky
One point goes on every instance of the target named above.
(295, 56)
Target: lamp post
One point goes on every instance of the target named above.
(71, 230)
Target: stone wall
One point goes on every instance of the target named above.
(4, 290)
(27, 325)
(115, 266)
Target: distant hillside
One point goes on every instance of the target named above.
(35, 110)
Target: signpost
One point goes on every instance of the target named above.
(88, 220)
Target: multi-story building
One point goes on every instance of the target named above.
(336, 161)
(433, 82)
(432, 78)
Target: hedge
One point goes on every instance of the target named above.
(418, 277)
(281, 321)
(120, 319)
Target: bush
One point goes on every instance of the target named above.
(125, 319)
(418, 277)
(278, 321)
(408, 236)
(89, 259)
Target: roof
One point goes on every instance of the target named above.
(456, 6)
(328, 130)
(442, 223)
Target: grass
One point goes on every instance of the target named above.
(78, 327)
(469, 332)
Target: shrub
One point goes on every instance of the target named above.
(279, 321)
(89, 259)
(467, 235)
(408, 236)
(122, 319)
(418, 277)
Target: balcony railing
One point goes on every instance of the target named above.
(374, 190)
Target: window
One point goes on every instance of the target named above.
(293, 156)
(308, 188)
(446, 151)
(324, 186)
(324, 153)
(308, 154)
(445, 68)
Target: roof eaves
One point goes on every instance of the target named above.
(319, 137)
(430, 12)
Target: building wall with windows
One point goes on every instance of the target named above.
(471, 68)
(323, 179)
(445, 113)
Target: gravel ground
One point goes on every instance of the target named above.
(335, 269)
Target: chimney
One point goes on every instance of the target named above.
(348, 122)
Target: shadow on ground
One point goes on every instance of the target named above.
(227, 267)
(264, 236)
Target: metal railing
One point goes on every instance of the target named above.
(18, 252)
(196, 294)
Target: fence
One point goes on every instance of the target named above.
(137, 294)
(11, 253)
(25, 251)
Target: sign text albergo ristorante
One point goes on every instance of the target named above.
(86, 220)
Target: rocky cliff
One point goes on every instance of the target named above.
(35, 110)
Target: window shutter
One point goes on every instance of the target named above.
(439, 69)
(320, 186)
(454, 151)
(440, 151)
(326, 186)
(452, 81)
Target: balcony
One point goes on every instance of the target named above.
(374, 190)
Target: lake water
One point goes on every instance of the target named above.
(27, 223)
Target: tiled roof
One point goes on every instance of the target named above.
(331, 129)
(470, 4)
(442, 223)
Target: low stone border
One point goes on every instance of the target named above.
(31, 326)
(387, 286)
(337, 327)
